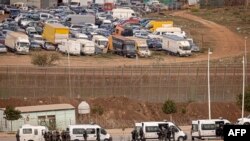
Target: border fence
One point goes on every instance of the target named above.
(182, 82)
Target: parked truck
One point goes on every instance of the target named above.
(101, 43)
(87, 47)
(154, 24)
(141, 46)
(17, 42)
(176, 45)
(55, 33)
(122, 46)
(80, 19)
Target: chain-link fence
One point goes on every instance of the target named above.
(182, 83)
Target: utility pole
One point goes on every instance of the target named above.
(208, 84)
(243, 91)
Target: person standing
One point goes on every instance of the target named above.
(133, 134)
(172, 129)
(85, 135)
(98, 135)
(141, 134)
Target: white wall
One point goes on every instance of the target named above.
(63, 119)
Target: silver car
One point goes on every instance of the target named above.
(3, 48)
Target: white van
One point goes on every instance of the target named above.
(45, 16)
(206, 129)
(170, 31)
(76, 132)
(150, 130)
(244, 121)
(31, 133)
(123, 13)
(70, 46)
(101, 43)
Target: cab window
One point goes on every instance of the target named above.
(194, 127)
(90, 130)
(103, 132)
(27, 131)
(36, 132)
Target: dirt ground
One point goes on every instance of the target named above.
(223, 42)
(119, 112)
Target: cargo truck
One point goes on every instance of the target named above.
(79, 19)
(70, 46)
(100, 44)
(17, 42)
(122, 46)
(55, 33)
(176, 45)
(141, 46)
(87, 47)
(153, 25)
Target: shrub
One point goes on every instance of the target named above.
(247, 100)
(97, 110)
(194, 9)
(183, 111)
(169, 107)
(44, 59)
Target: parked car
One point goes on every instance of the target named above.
(141, 34)
(154, 44)
(3, 48)
(49, 46)
(35, 45)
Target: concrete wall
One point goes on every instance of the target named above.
(63, 119)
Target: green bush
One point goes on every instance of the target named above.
(44, 59)
(247, 100)
(97, 110)
(194, 10)
(169, 107)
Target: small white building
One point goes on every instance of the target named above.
(54, 116)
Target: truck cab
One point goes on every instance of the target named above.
(122, 46)
(101, 43)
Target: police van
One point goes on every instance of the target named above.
(76, 132)
(31, 133)
(206, 129)
(151, 129)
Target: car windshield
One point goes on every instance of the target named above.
(103, 43)
(38, 38)
(143, 48)
(130, 48)
(22, 44)
(185, 48)
(2, 46)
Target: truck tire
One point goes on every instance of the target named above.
(246, 123)
(192, 138)
(180, 139)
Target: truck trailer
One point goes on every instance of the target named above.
(176, 45)
(55, 33)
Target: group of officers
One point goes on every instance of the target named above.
(165, 133)
(64, 136)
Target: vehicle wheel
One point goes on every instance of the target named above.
(76, 140)
(178, 54)
(192, 138)
(106, 140)
(181, 139)
(246, 123)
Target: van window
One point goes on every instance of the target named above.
(103, 131)
(27, 131)
(90, 130)
(36, 132)
(194, 127)
(78, 130)
(44, 16)
(208, 126)
(152, 129)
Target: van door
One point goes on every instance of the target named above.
(194, 130)
(91, 134)
(150, 132)
(103, 134)
(207, 130)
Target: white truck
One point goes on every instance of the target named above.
(244, 121)
(206, 129)
(101, 43)
(141, 46)
(87, 47)
(176, 45)
(31, 133)
(76, 132)
(151, 129)
(17, 42)
(70, 46)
